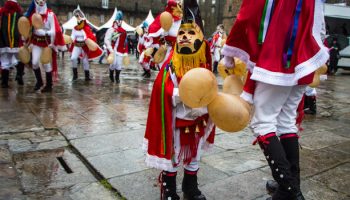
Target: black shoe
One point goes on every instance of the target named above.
(5, 78)
(190, 186)
(20, 73)
(87, 75)
(280, 167)
(168, 186)
(39, 80)
(75, 74)
(117, 74)
(48, 86)
(111, 75)
(271, 187)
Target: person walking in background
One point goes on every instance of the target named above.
(334, 57)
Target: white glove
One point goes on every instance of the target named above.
(176, 97)
(197, 112)
(229, 62)
(40, 32)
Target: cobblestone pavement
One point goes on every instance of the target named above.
(83, 141)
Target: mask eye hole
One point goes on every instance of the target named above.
(181, 32)
(192, 33)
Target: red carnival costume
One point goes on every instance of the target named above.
(157, 36)
(80, 33)
(115, 41)
(50, 35)
(176, 133)
(10, 41)
(280, 41)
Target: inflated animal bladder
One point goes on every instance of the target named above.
(91, 44)
(24, 54)
(229, 112)
(166, 20)
(46, 55)
(24, 27)
(37, 21)
(198, 87)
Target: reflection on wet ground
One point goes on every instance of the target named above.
(61, 145)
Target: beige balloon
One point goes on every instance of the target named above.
(24, 27)
(198, 87)
(159, 56)
(67, 39)
(149, 51)
(91, 44)
(323, 69)
(233, 85)
(110, 58)
(46, 55)
(316, 81)
(166, 20)
(37, 21)
(126, 61)
(24, 54)
(229, 112)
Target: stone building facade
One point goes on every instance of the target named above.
(213, 12)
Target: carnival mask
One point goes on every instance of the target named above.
(177, 11)
(79, 15)
(40, 2)
(189, 39)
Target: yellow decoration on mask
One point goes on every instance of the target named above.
(184, 62)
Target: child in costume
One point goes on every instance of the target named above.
(176, 133)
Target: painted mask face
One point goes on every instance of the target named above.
(177, 11)
(40, 2)
(189, 38)
(79, 16)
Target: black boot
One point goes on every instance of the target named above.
(148, 74)
(5, 78)
(111, 75)
(215, 67)
(190, 186)
(168, 186)
(311, 105)
(144, 72)
(273, 150)
(117, 73)
(48, 86)
(39, 80)
(20, 73)
(75, 74)
(87, 75)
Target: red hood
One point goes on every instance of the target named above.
(10, 7)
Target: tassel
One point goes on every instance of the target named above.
(187, 130)
(204, 123)
(197, 129)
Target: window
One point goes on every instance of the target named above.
(105, 4)
(213, 2)
(102, 19)
(213, 10)
(230, 9)
(131, 21)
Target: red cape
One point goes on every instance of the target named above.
(89, 34)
